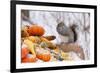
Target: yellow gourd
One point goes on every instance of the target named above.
(34, 39)
(30, 46)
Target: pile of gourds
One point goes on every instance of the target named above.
(35, 46)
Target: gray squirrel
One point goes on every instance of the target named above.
(68, 32)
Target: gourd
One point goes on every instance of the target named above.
(36, 30)
(30, 46)
(29, 58)
(24, 52)
(43, 55)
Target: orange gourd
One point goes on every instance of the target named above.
(36, 30)
(43, 55)
(24, 52)
(46, 57)
(29, 59)
(39, 56)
